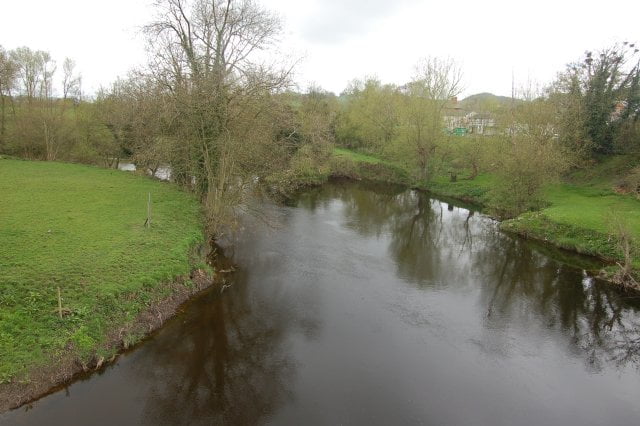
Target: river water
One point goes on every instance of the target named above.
(163, 172)
(367, 305)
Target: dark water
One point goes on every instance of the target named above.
(378, 306)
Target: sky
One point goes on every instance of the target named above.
(336, 41)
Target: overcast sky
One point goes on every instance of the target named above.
(339, 40)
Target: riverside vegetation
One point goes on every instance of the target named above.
(561, 163)
(580, 214)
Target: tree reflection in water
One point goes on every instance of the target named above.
(434, 245)
(225, 361)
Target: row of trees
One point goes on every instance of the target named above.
(223, 119)
(590, 110)
(205, 105)
(33, 120)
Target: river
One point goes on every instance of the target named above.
(163, 172)
(373, 304)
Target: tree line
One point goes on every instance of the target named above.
(590, 111)
(214, 105)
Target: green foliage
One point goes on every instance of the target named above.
(346, 163)
(597, 98)
(369, 117)
(356, 157)
(579, 216)
(309, 137)
(631, 182)
(472, 191)
(523, 167)
(539, 226)
(81, 229)
(470, 155)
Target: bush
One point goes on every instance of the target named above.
(524, 165)
(631, 182)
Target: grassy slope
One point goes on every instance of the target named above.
(362, 166)
(579, 213)
(357, 156)
(580, 216)
(81, 229)
(473, 191)
(591, 208)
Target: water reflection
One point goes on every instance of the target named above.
(435, 245)
(226, 364)
(227, 361)
(161, 172)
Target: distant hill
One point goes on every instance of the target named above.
(485, 102)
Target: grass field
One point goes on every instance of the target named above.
(81, 229)
(591, 207)
(583, 218)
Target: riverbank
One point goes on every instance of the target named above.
(578, 214)
(81, 276)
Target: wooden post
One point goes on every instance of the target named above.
(148, 222)
(59, 304)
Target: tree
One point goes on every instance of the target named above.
(204, 58)
(117, 113)
(314, 131)
(469, 153)
(8, 75)
(435, 83)
(597, 96)
(369, 120)
(31, 69)
(71, 82)
(42, 129)
(528, 157)
(94, 143)
(34, 129)
(523, 165)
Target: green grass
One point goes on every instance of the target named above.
(569, 236)
(362, 166)
(80, 228)
(357, 156)
(606, 173)
(591, 207)
(374, 168)
(580, 218)
(473, 191)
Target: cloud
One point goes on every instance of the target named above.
(335, 21)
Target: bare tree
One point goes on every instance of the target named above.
(204, 56)
(435, 82)
(30, 70)
(70, 80)
(8, 74)
(34, 123)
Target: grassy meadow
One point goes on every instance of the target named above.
(81, 229)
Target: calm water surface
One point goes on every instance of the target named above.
(377, 305)
(163, 172)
